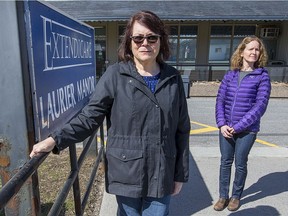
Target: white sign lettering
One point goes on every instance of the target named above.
(62, 99)
(58, 46)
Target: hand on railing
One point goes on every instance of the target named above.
(44, 146)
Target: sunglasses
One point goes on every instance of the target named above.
(150, 38)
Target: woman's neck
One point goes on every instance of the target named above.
(148, 69)
(247, 67)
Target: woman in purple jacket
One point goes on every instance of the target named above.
(241, 101)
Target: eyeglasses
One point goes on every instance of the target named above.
(150, 38)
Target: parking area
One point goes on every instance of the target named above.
(273, 131)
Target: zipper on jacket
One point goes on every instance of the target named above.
(234, 100)
(255, 71)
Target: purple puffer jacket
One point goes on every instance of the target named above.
(241, 105)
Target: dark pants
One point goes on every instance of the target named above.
(237, 147)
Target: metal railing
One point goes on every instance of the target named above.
(215, 72)
(13, 186)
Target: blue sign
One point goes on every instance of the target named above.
(62, 65)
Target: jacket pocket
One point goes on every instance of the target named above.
(124, 166)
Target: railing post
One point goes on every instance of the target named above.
(210, 73)
(76, 186)
(15, 126)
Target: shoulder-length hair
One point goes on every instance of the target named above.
(237, 59)
(152, 22)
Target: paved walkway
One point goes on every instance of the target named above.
(266, 190)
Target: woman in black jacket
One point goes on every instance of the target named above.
(144, 102)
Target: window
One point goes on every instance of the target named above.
(243, 31)
(121, 30)
(219, 50)
(220, 44)
(225, 39)
(221, 31)
(182, 40)
(240, 32)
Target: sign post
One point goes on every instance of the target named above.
(47, 77)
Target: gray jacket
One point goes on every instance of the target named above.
(148, 134)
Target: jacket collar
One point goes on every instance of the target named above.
(129, 69)
(257, 71)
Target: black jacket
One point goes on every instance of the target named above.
(148, 134)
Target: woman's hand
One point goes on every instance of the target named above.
(177, 188)
(227, 131)
(44, 146)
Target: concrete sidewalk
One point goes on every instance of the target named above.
(266, 190)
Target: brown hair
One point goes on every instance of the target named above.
(154, 23)
(237, 60)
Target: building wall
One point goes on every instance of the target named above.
(201, 72)
(14, 133)
(203, 43)
(112, 42)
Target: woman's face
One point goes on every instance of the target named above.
(144, 52)
(251, 52)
